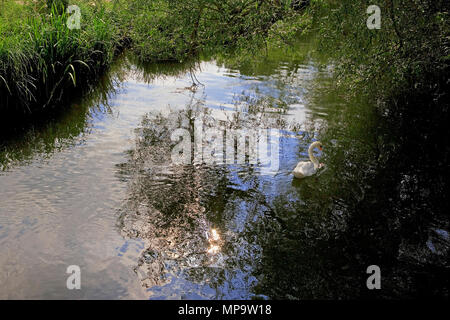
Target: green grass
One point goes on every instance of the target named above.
(42, 60)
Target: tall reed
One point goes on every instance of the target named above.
(45, 59)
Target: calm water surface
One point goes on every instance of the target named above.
(95, 189)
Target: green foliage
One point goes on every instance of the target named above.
(158, 33)
(45, 59)
(175, 29)
(287, 31)
(58, 6)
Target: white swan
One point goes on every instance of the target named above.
(308, 168)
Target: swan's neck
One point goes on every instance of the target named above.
(312, 158)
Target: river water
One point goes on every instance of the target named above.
(96, 187)
(72, 193)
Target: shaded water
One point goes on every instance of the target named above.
(97, 188)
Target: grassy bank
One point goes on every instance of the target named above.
(43, 62)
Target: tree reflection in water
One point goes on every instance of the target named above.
(376, 203)
(198, 221)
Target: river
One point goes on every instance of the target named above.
(96, 187)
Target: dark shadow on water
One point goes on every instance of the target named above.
(65, 125)
(282, 238)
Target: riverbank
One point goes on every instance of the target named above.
(43, 62)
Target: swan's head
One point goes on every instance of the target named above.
(316, 144)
